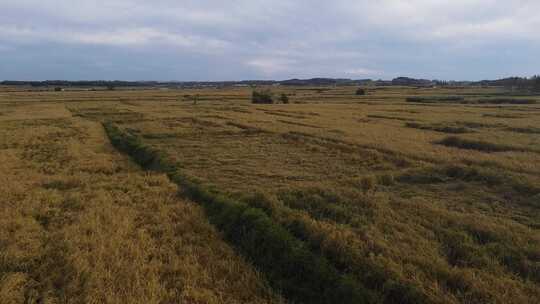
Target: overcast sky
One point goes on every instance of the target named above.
(268, 39)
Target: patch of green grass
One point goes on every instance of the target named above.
(477, 125)
(503, 116)
(391, 117)
(529, 130)
(490, 177)
(435, 99)
(439, 128)
(478, 145)
(461, 99)
(160, 135)
(505, 101)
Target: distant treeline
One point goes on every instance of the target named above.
(120, 83)
(517, 83)
(65, 83)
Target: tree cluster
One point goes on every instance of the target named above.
(360, 92)
(262, 97)
(518, 83)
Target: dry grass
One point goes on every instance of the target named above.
(381, 201)
(80, 224)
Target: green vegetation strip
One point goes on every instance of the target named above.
(344, 253)
(478, 145)
(462, 100)
(391, 117)
(435, 99)
(438, 128)
(529, 130)
(505, 101)
(493, 178)
(288, 263)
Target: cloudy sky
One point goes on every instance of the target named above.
(268, 39)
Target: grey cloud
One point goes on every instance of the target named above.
(241, 39)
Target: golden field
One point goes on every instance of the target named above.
(415, 202)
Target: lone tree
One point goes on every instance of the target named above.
(262, 97)
(284, 98)
(360, 91)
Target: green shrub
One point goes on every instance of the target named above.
(360, 92)
(262, 97)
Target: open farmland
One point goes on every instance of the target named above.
(403, 195)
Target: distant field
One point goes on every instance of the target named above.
(403, 195)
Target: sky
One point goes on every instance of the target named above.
(201, 40)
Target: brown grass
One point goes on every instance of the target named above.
(81, 224)
(376, 198)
